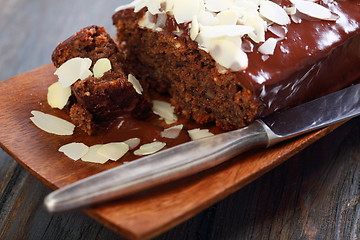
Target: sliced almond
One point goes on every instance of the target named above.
(268, 47)
(113, 151)
(225, 30)
(218, 5)
(228, 17)
(154, 6)
(136, 84)
(206, 18)
(195, 28)
(172, 132)
(73, 70)
(165, 111)
(198, 133)
(93, 156)
(132, 143)
(290, 10)
(169, 5)
(229, 55)
(52, 124)
(58, 96)
(274, 13)
(147, 21)
(312, 9)
(259, 25)
(279, 31)
(183, 13)
(101, 66)
(150, 148)
(74, 151)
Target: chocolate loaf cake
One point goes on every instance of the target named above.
(311, 56)
(99, 99)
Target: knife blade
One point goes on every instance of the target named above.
(195, 156)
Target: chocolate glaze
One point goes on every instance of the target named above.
(315, 58)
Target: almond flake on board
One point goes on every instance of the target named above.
(113, 151)
(57, 96)
(198, 133)
(93, 156)
(101, 66)
(73, 70)
(172, 132)
(75, 151)
(150, 148)
(52, 124)
(132, 143)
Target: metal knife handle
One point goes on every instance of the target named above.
(165, 166)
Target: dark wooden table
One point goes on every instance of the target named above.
(314, 195)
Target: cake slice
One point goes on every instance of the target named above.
(99, 99)
(186, 48)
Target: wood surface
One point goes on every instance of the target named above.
(314, 195)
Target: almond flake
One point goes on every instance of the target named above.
(206, 18)
(225, 30)
(198, 133)
(149, 148)
(73, 70)
(279, 31)
(132, 143)
(154, 6)
(136, 84)
(52, 124)
(169, 5)
(228, 17)
(183, 13)
(113, 151)
(312, 9)
(268, 47)
(247, 46)
(218, 5)
(172, 132)
(138, 5)
(147, 21)
(101, 66)
(274, 13)
(58, 96)
(296, 19)
(75, 151)
(165, 111)
(259, 25)
(194, 31)
(265, 57)
(290, 10)
(93, 156)
(229, 55)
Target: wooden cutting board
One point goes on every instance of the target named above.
(143, 215)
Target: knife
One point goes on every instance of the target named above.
(195, 156)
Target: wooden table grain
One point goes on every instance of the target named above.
(314, 195)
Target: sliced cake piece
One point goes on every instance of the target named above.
(103, 98)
